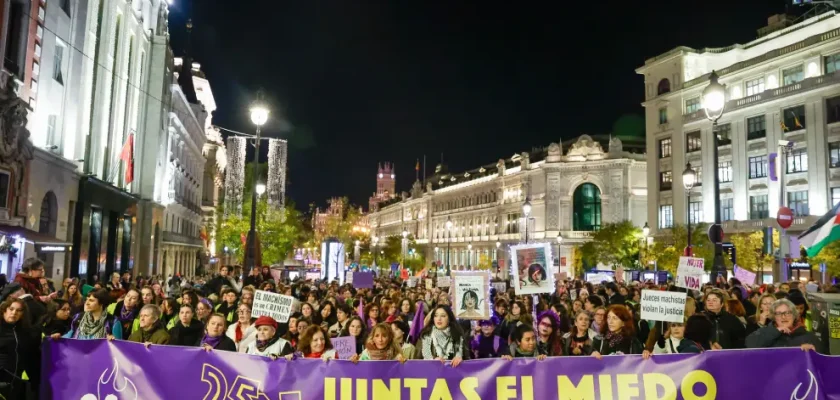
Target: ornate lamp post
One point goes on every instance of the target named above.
(526, 211)
(259, 115)
(714, 103)
(689, 180)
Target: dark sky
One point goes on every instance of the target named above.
(361, 82)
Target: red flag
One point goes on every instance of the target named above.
(127, 156)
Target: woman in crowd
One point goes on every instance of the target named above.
(762, 315)
(372, 314)
(189, 297)
(170, 307)
(729, 332)
(247, 296)
(524, 344)
(549, 336)
(147, 296)
(187, 330)
(127, 311)
(787, 330)
(342, 315)
(214, 336)
(73, 297)
(307, 311)
(598, 318)
(381, 345)
(356, 328)
(160, 295)
(314, 343)
(150, 329)
(58, 322)
(670, 341)
(442, 339)
(18, 343)
(697, 336)
(95, 322)
(618, 335)
(268, 343)
(392, 311)
(203, 310)
(577, 306)
(406, 309)
(485, 343)
(327, 314)
(734, 307)
(243, 331)
(312, 300)
(578, 342)
(228, 305)
(401, 331)
(292, 334)
(738, 293)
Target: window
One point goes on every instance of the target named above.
(692, 141)
(587, 208)
(692, 105)
(65, 6)
(832, 63)
(832, 110)
(794, 118)
(4, 189)
(695, 212)
(698, 175)
(797, 161)
(725, 171)
(756, 128)
(663, 115)
(512, 223)
(51, 136)
(33, 86)
(663, 87)
(58, 62)
(835, 196)
(665, 148)
(666, 216)
(666, 180)
(37, 50)
(758, 167)
(758, 207)
(36, 69)
(727, 210)
(39, 32)
(755, 86)
(41, 13)
(834, 155)
(792, 75)
(798, 202)
(724, 134)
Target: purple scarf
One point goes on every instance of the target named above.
(212, 341)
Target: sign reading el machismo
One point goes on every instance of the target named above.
(99, 370)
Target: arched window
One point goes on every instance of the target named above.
(587, 208)
(49, 210)
(664, 87)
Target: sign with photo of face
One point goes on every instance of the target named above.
(530, 268)
(470, 291)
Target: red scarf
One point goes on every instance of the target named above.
(238, 332)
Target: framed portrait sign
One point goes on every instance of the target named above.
(471, 295)
(531, 268)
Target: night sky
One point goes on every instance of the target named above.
(353, 83)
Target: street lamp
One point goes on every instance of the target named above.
(448, 240)
(259, 116)
(646, 231)
(404, 246)
(469, 256)
(375, 240)
(260, 189)
(356, 254)
(689, 179)
(526, 210)
(714, 103)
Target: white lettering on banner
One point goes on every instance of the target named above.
(690, 272)
(274, 305)
(663, 306)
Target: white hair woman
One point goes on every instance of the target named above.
(786, 330)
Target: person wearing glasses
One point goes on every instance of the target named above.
(786, 330)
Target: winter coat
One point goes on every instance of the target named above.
(226, 344)
(158, 335)
(280, 347)
(770, 336)
(180, 335)
(19, 351)
(630, 345)
(585, 349)
(728, 331)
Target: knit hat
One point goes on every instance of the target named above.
(267, 321)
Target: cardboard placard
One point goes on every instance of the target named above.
(746, 277)
(363, 280)
(470, 297)
(531, 269)
(429, 284)
(313, 276)
(663, 306)
(412, 282)
(348, 278)
(274, 305)
(344, 346)
(500, 287)
(444, 281)
(690, 273)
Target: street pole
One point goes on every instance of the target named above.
(250, 258)
(448, 246)
(718, 265)
(784, 244)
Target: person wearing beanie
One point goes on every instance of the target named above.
(268, 343)
(487, 344)
(798, 299)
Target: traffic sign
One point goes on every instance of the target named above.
(715, 233)
(785, 217)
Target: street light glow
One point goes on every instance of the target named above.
(646, 230)
(498, 244)
(559, 238)
(404, 234)
(714, 98)
(448, 223)
(526, 208)
(260, 189)
(689, 177)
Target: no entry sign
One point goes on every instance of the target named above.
(785, 217)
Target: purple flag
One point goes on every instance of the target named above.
(771, 166)
(118, 370)
(417, 324)
(361, 309)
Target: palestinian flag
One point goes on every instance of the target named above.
(824, 231)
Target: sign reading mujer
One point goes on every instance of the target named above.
(118, 370)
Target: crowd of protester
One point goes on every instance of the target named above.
(389, 322)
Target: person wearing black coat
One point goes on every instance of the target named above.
(214, 337)
(613, 295)
(787, 330)
(19, 349)
(187, 330)
(729, 332)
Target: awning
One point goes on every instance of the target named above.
(42, 241)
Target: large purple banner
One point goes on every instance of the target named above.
(101, 370)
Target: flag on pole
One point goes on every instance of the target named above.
(417, 324)
(361, 309)
(127, 156)
(822, 233)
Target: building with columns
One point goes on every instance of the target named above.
(782, 86)
(572, 193)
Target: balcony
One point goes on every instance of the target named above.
(174, 238)
(771, 94)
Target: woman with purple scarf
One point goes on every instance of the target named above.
(214, 337)
(127, 312)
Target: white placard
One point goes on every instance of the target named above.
(470, 297)
(690, 273)
(349, 277)
(500, 287)
(313, 276)
(444, 281)
(412, 282)
(429, 284)
(531, 269)
(274, 305)
(663, 306)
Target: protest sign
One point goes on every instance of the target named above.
(348, 278)
(444, 281)
(663, 306)
(470, 297)
(274, 305)
(500, 287)
(313, 276)
(412, 282)
(690, 273)
(561, 276)
(344, 346)
(746, 277)
(363, 280)
(531, 269)
(429, 283)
